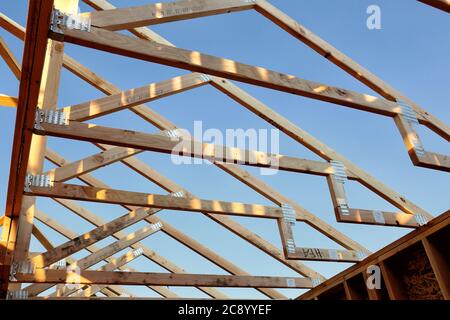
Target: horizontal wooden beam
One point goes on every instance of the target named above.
(313, 144)
(102, 195)
(115, 19)
(318, 254)
(195, 61)
(154, 118)
(110, 266)
(163, 279)
(112, 249)
(163, 143)
(156, 13)
(322, 150)
(66, 233)
(197, 247)
(433, 160)
(380, 218)
(133, 97)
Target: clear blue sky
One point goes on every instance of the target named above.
(410, 52)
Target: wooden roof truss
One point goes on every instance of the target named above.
(39, 81)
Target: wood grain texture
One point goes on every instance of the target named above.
(195, 61)
(166, 279)
(77, 192)
(156, 13)
(133, 97)
(162, 143)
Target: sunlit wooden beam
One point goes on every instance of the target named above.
(91, 237)
(98, 256)
(195, 61)
(134, 97)
(162, 142)
(77, 192)
(152, 256)
(156, 13)
(148, 278)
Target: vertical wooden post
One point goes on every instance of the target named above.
(440, 267)
(39, 12)
(393, 285)
(48, 97)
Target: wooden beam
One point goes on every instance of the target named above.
(162, 123)
(49, 246)
(380, 218)
(440, 265)
(47, 100)
(228, 223)
(301, 213)
(77, 192)
(148, 253)
(237, 172)
(143, 32)
(33, 65)
(54, 225)
(42, 238)
(125, 17)
(10, 59)
(156, 13)
(11, 26)
(91, 163)
(316, 146)
(159, 121)
(209, 254)
(318, 254)
(166, 279)
(111, 266)
(91, 237)
(195, 61)
(163, 143)
(436, 161)
(134, 97)
(117, 246)
(8, 101)
(347, 64)
(420, 158)
(384, 259)
(439, 4)
(110, 250)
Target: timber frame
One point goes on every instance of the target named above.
(38, 117)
